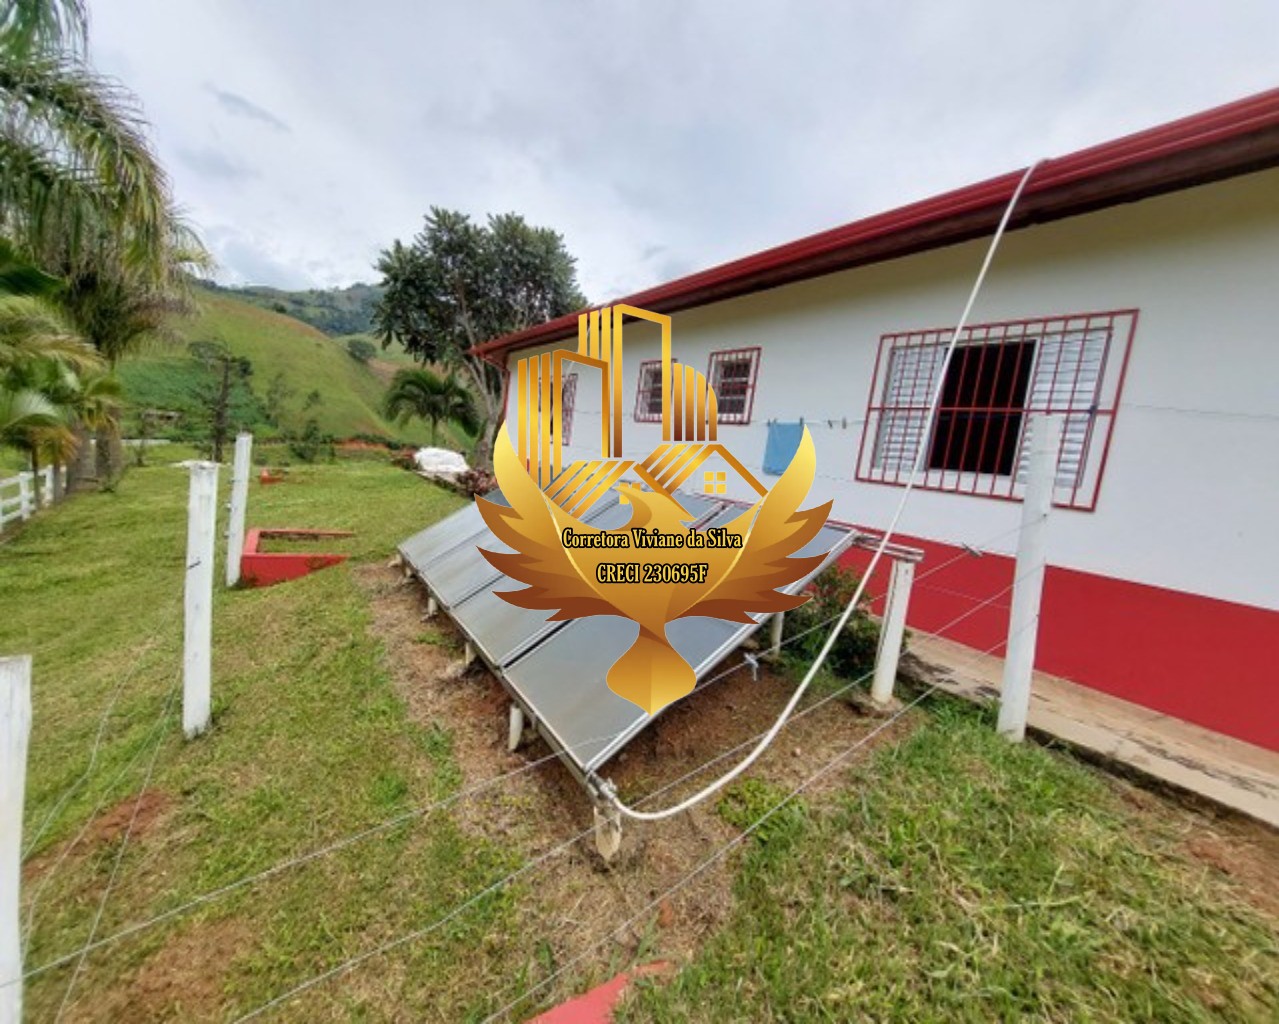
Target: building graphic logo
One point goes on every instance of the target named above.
(657, 567)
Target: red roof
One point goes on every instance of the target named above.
(1225, 141)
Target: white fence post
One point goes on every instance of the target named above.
(239, 505)
(46, 487)
(26, 504)
(202, 516)
(892, 631)
(1028, 585)
(15, 728)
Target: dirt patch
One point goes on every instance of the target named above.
(106, 828)
(576, 901)
(183, 980)
(1247, 853)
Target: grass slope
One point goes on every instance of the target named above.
(310, 743)
(351, 393)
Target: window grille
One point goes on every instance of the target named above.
(1000, 375)
(648, 395)
(568, 399)
(732, 373)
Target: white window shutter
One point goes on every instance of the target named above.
(1066, 377)
(912, 376)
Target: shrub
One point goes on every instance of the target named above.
(854, 652)
(476, 482)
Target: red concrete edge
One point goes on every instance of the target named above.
(265, 568)
(597, 1005)
(1201, 659)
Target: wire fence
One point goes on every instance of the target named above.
(549, 854)
(390, 824)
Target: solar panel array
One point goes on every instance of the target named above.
(556, 670)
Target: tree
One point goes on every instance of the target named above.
(361, 349)
(459, 284)
(228, 373)
(82, 194)
(428, 396)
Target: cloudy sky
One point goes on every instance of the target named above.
(659, 137)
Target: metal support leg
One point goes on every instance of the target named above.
(432, 606)
(515, 730)
(775, 634)
(608, 831)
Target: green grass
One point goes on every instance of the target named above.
(309, 743)
(963, 878)
(954, 877)
(351, 393)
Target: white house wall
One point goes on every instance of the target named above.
(1190, 497)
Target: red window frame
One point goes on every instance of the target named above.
(650, 393)
(568, 399)
(714, 364)
(1079, 365)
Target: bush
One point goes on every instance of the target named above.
(854, 652)
(361, 350)
(310, 445)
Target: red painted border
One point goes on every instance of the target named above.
(1197, 658)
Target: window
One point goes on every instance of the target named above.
(981, 408)
(1000, 374)
(648, 396)
(732, 374)
(568, 398)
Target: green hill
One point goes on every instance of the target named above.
(298, 373)
(335, 311)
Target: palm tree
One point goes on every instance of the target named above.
(426, 395)
(82, 194)
(75, 161)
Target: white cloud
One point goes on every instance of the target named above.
(660, 137)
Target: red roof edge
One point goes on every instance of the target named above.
(1222, 142)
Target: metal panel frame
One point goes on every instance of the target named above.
(583, 767)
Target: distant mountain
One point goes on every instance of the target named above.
(335, 311)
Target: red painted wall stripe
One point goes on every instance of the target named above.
(1211, 662)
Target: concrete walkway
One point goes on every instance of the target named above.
(1229, 772)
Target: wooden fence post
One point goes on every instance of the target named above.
(202, 516)
(15, 729)
(1028, 585)
(239, 505)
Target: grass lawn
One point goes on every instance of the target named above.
(958, 877)
(952, 877)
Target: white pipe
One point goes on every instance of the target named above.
(1032, 558)
(920, 453)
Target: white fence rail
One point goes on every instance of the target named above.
(18, 494)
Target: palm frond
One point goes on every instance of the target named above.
(33, 329)
(33, 26)
(75, 148)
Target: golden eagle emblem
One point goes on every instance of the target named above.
(655, 569)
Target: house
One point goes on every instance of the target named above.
(1136, 294)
